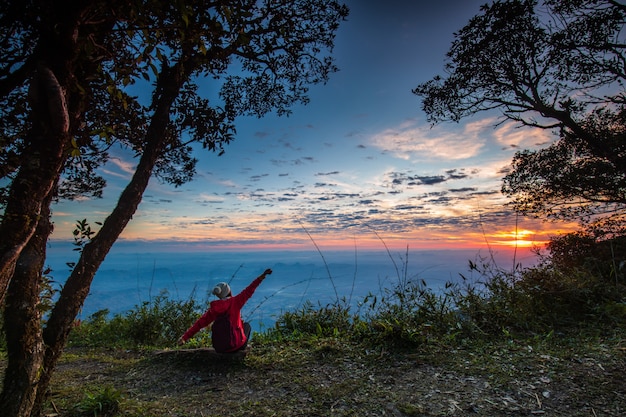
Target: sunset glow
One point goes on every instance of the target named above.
(520, 238)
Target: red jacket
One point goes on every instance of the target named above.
(232, 306)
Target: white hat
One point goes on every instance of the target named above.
(222, 290)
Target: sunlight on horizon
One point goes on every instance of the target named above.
(301, 240)
(307, 237)
(520, 238)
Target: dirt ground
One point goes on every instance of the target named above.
(329, 379)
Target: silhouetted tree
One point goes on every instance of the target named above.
(559, 65)
(64, 88)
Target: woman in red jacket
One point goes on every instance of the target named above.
(228, 332)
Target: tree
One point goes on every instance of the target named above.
(77, 60)
(557, 65)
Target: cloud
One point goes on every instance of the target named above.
(368, 202)
(227, 183)
(513, 135)
(406, 179)
(261, 135)
(427, 180)
(209, 199)
(127, 168)
(410, 141)
(463, 190)
(296, 162)
(492, 170)
(455, 174)
(258, 177)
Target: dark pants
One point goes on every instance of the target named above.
(247, 329)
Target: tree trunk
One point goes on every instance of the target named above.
(34, 181)
(77, 286)
(22, 323)
(56, 85)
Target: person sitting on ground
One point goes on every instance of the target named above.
(228, 332)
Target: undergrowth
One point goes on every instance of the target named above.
(155, 323)
(103, 402)
(486, 304)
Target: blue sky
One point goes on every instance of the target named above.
(358, 164)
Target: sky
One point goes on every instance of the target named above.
(359, 166)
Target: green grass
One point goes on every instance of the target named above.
(323, 375)
(103, 401)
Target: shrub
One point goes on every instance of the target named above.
(330, 320)
(102, 403)
(410, 314)
(159, 322)
(98, 330)
(602, 257)
(539, 299)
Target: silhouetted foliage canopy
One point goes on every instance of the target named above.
(558, 65)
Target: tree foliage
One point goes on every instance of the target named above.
(555, 65)
(68, 85)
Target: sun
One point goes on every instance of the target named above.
(517, 238)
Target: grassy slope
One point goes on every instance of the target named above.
(323, 377)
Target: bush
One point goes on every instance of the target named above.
(602, 257)
(159, 322)
(540, 299)
(330, 320)
(408, 315)
(102, 403)
(98, 330)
